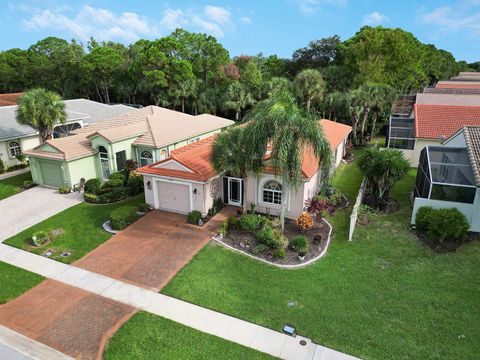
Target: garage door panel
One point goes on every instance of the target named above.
(174, 197)
(52, 174)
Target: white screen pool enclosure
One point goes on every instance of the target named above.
(445, 173)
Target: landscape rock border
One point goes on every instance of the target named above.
(218, 239)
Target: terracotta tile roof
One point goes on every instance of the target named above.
(9, 99)
(196, 156)
(152, 126)
(472, 140)
(458, 85)
(433, 121)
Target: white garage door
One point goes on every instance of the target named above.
(174, 197)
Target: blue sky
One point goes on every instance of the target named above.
(243, 27)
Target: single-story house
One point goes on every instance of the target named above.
(187, 181)
(145, 135)
(429, 120)
(449, 176)
(16, 138)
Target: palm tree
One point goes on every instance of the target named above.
(382, 168)
(42, 109)
(308, 87)
(183, 90)
(207, 101)
(229, 156)
(237, 98)
(279, 123)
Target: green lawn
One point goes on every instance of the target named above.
(382, 296)
(15, 281)
(13, 185)
(82, 226)
(147, 336)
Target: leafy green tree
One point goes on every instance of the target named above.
(250, 75)
(382, 168)
(277, 84)
(206, 101)
(229, 156)
(317, 54)
(42, 109)
(279, 123)
(184, 90)
(16, 73)
(101, 65)
(237, 98)
(309, 87)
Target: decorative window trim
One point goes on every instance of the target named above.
(272, 192)
(14, 148)
(146, 157)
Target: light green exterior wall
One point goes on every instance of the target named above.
(82, 168)
(36, 169)
(89, 167)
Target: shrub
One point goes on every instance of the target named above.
(92, 186)
(233, 223)
(267, 236)
(336, 198)
(123, 216)
(224, 228)
(120, 175)
(65, 189)
(27, 184)
(113, 183)
(304, 221)
(39, 238)
(22, 158)
(113, 195)
(2, 166)
(194, 216)
(135, 184)
(442, 224)
(216, 207)
(91, 198)
(130, 165)
(422, 218)
(299, 244)
(250, 222)
(318, 205)
(280, 253)
(259, 249)
(144, 207)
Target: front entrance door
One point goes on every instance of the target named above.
(235, 191)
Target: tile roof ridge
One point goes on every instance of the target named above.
(150, 128)
(471, 154)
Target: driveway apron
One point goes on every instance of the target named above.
(152, 250)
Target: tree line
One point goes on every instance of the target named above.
(353, 81)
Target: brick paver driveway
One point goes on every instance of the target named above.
(66, 318)
(152, 250)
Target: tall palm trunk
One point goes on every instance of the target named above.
(374, 124)
(285, 190)
(183, 104)
(364, 123)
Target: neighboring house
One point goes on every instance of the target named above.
(16, 138)
(187, 181)
(449, 176)
(428, 119)
(9, 99)
(95, 151)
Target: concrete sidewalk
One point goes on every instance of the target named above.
(14, 173)
(29, 207)
(205, 320)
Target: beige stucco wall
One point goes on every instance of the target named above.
(295, 201)
(339, 154)
(26, 143)
(413, 156)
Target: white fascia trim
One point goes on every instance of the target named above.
(172, 179)
(159, 166)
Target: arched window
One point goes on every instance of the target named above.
(146, 157)
(104, 162)
(163, 154)
(272, 192)
(14, 147)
